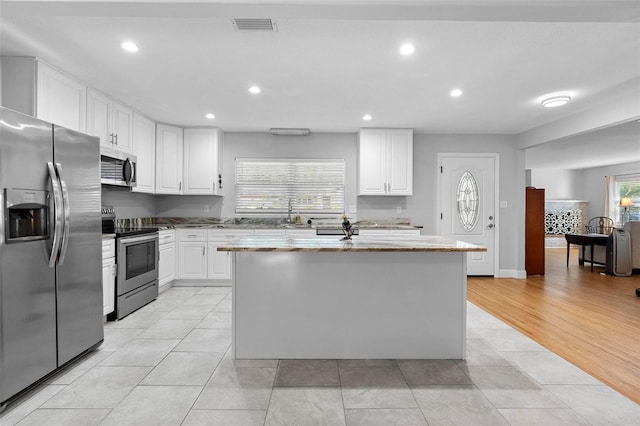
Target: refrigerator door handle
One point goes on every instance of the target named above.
(57, 209)
(67, 215)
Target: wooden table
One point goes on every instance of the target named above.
(585, 240)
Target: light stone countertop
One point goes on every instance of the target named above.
(356, 244)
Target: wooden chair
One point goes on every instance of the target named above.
(600, 225)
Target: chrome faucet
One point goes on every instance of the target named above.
(289, 211)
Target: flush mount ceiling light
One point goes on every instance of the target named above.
(210, 116)
(254, 89)
(280, 131)
(455, 93)
(367, 117)
(555, 101)
(407, 49)
(129, 46)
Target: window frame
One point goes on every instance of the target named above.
(297, 185)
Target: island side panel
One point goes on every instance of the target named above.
(349, 305)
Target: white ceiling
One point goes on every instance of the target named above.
(612, 145)
(331, 62)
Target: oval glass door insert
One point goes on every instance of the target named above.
(467, 201)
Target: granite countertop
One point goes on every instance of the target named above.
(359, 243)
(261, 223)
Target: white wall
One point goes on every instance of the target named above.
(559, 184)
(594, 184)
(421, 208)
(128, 204)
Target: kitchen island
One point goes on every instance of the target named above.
(370, 297)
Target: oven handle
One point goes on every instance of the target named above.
(127, 240)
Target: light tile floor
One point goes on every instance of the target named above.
(169, 364)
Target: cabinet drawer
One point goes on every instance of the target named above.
(108, 248)
(227, 234)
(192, 235)
(167, 236)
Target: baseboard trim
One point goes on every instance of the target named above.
(511, 273)
(200, 283)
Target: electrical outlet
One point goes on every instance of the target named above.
(503, 204)
(206, 208)
(398, 210)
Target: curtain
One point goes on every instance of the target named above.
(610, 197)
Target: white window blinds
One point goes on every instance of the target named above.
(313, 186)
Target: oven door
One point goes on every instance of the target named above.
(137, 260)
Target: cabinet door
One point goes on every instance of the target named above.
(60, 99)
(192, 260)
(400, 162)
(108, 284)
(372, 162)
(122, 126)
(167, 263)
(144, 147)
(201, 161)
(168, 159)
(99, 116)
(219, 263)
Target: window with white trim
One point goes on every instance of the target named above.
(310, 186)
(627, 186)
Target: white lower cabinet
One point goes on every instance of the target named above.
(192, 260)
(108, 275)
(167, 262)
(218, 262)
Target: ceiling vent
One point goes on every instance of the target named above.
(289, 132)
(249, 24)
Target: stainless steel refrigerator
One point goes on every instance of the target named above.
(50, 249)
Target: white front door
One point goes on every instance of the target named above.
(468, 205)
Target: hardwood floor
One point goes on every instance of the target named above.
(589, 319)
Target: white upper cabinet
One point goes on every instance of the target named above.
(202, 160)
(110, 121)
(60, 99)
(385, 162)
(144, 148)
(169, 145)
(122, 126)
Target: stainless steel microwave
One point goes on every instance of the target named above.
(117, 168)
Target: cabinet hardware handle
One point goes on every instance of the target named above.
(179, 186)
(116, 135)
(203, 251)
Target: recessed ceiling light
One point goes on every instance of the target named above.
(407, 49)
(455, 93)
(366, 117)
(555, 101)
(254, 89)
(210, 116)
(129, 46)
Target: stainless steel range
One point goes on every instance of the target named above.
(137, 259)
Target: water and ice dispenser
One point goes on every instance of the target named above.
(26, 215)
